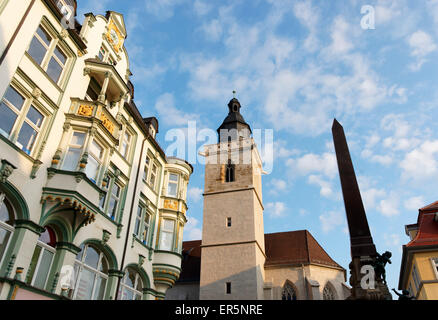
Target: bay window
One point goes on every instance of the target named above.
(166, 236)
(172, 186)
(74, 151)
(180, 238)
(7, 221)
(131, 286)
(42, 259)
(20, 119)
(91, 274)
(46, 52)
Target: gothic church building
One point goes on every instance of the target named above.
(236, 260)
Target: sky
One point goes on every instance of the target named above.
(295, 66)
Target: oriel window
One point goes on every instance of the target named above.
(74, 151)
(172, 186)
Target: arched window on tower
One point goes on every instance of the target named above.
(328, 293)
(288, 292)
(7, 222)
(230, 174)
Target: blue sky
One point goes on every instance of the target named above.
(295, 65)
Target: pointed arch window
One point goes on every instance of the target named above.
(132, 286)
(91, 274)
(230, 172)
(42, 259)
(288, 293)
(7, 222)
(328, 293)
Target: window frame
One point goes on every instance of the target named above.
(173, 182)
(127, 152)
(109, 195)
(124, 286)
(21, 118)
(70, 145)
(416, 278)
(162, 230)
(100, 160)
(140, 234)
(6, 226)
(81, 265)
(44, 247)
(148, 172)
(55, 42)
(434, 262)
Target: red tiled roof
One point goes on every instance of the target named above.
(433, 207)
(427, 234)
(295, 247)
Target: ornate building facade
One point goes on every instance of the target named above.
(90, 206)
(235, 259)
(419, 266)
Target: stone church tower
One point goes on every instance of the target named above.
(233, 246)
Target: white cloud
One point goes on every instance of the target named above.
(392, 240)
(195, 194)
(162, 9)
(421, 163)
(326, 186)
(370, 197)
(169, 114)
(276, 209)
(202, 7)
(414, 203)
(389, 207)
(277, 185)
(421, 45)
(331, 220)
(191, 232)
(313, 163)
(213, 30)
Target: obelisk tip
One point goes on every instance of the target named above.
(336, 124)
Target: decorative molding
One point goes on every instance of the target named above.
(105, 236)
(141, 260)
(36, 93)
(69, 247)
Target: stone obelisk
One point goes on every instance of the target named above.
(363, 250)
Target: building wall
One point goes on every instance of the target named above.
(428, 288)
(41, 184)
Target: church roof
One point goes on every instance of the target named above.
(284, 248)
(234, 117)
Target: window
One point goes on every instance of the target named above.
(180, 238)
(228, 222)
(146, 169)
(416, 278)
(153, 177)
(288, 293)
(228, 287)
(24, 119)
(63, 8)
(138, 218)
(95, 159)
(42, 259)
(114, 193)
(328, 293)
(131, 286)
(142, 224)
(126, 141)
(91, 270)
(172, 186)
(93, 90)
(230, 172)
(74, 151)
(167, 232)
(45, 51)
(7, 221)
(102, 54)
(435, 266)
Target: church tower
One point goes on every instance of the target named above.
(233, 247)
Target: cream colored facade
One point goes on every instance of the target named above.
(82, 176)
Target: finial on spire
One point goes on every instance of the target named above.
(234, 93)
